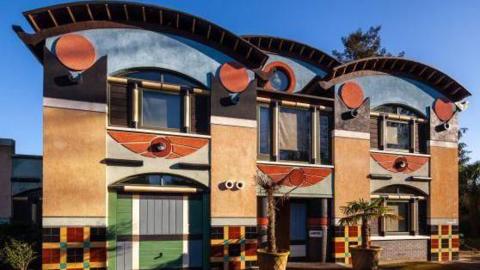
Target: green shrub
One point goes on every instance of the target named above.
(18, 254)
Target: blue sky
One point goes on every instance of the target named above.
(444, 34)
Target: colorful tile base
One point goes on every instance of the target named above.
(444, 243)
(344, 237)
(233, 247)
(74, 248)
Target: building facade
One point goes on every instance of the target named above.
(157, 123)
(21, 186)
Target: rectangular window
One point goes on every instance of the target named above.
(401, 209)
(265, 136)
(325, 127)
(161, 110)
(398, 135)
(294, 134)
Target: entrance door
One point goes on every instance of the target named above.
(159, 231)
(298, 229)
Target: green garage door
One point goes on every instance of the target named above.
(157, 231)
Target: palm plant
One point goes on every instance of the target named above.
(364, 211)
(270, 188)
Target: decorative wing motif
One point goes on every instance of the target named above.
(155, 146)
(399, 163)
(294, 176)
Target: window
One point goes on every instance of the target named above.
(279, 80)
(179, 109)
(294, 134)
(398, 128)
(288, 134)
(325, 129)
(161, 110)
(265, 136)
(401, 209)
(398, 135)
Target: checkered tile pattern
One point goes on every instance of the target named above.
(444, 243)
(233, 247)
(74, 248)
(344, 238)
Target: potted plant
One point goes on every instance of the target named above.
(364, 256)
(271, 258)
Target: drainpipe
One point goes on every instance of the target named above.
(324, 228)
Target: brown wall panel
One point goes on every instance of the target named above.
(233, 157)
(351, 160)
(444, 184)
(6, 152)
(74, 178)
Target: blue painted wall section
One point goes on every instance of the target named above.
(383, 89)
(304, 72)
(134, 48)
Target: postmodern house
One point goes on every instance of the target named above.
(157, 122)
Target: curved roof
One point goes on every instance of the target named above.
(293, 49)
(75, 16)
(431, 76)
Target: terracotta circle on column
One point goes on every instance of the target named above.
(352, 95)
(75, 52)
(234, 77)
(444, 109)
(160, 147)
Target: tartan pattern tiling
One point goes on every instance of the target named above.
(444, 243)
(344, 237)
(74, 248)
(233, 247)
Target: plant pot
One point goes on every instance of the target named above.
(272, 261)
(365, 258)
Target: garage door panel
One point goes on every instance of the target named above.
(161, 254)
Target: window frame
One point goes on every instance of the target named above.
(316, 112)
(410, 146)
(182, 110)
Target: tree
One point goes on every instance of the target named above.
(359, 44)
(18, 254)
(362, 211)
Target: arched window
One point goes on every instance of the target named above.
(158, 179)
(159, 99)
(398, 127)
(409, 204)
(161, 75)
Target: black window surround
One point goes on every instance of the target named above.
(135, 101)
(269, 146)
(398, 128)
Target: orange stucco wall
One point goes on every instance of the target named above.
(73, 177)
(351, 160)
(233, 157)
(444, 184)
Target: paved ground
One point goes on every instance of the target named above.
(468, 261)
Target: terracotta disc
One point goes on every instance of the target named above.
(160, 147)
(75, 52)
(352, 95)
(296, 177)
(444, 109)
(234, 77)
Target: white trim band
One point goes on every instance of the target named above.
(442, 221)
(351, 134)
(399, 237)
(294, 164)
(239, 221)
(443, 144)
(74, 221)
(230, 121)
(160, 132)
(399, 153)
(74, 104)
